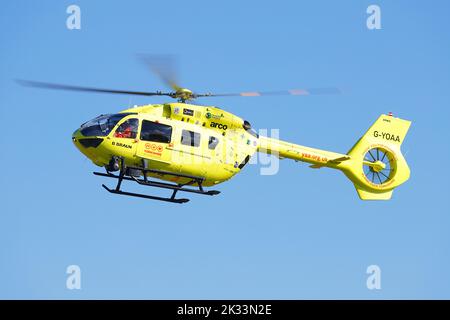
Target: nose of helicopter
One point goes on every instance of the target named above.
(87, 145)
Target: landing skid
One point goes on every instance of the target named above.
(128, 173)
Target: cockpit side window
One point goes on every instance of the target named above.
(102, 125)
(128, 129)
(156, 132)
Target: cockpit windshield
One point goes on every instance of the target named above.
(102, 125)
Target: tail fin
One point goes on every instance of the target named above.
(376, 165)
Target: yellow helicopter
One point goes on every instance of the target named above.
(188, 147)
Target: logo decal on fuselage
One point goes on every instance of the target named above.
(209, 115)
(153, 148)
(120, 144)
(218, 125)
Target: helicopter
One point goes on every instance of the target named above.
(185, 147)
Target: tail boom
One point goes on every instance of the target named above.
(316, 157)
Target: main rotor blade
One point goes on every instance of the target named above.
(55, 86)
(293, 92)
(164, 66)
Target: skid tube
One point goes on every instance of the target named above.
(125, 174)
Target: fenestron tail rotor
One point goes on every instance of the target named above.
(379, 165)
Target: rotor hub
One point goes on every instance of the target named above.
(183, 94)
(378, 166)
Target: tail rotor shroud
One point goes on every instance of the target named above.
(379, 165)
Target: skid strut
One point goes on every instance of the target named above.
(129, 173)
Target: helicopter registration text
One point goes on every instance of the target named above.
(386, 136)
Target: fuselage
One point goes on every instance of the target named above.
(214, 145)
(176, 137)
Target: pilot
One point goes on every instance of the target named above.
(126, 130)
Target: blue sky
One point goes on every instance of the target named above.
(299, 234)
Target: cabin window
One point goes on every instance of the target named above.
(128, 129)
(156, 132)
(212, 142)
(190, 138)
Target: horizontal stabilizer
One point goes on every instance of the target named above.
(337, 160)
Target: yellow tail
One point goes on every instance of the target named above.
(376, 165)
